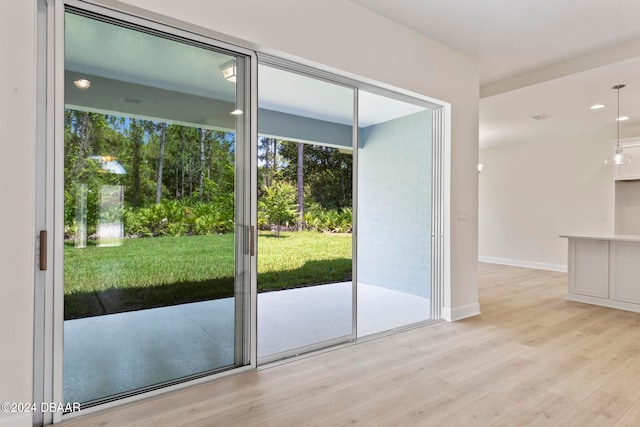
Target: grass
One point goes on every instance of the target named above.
(304, 258)
(154, 272)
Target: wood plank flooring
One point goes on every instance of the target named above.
(530, 359)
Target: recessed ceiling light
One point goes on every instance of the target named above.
(82, 83)
(236, 112)
(622, 118)
(597, 106)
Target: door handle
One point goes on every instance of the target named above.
(43, 250)
(252, 241)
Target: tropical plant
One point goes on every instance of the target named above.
(328, 220)
(278, 204)
(180, 217)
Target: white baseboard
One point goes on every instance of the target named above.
(16, 420)
(459, 313)
(604, 302)
(527, 264)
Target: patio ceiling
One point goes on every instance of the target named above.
(138, 73)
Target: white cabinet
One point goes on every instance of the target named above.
(605, 270)
(589, 267)
(624, 279)
(632, 170)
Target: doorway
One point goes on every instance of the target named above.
(161, 168)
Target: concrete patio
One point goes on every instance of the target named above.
(117, 353)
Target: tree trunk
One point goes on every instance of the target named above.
(83, 127)
(190, 177)
(209, 155)
(300, 183)
(182, 162)
(177, 183)
(163, 133)
(274, 163)
(203, 137)
(136, 140)
(267, 164)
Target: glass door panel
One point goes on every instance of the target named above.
(155, 274)
(394, 213)
(305, 292)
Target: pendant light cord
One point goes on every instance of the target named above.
(618, 87)
(618, 119)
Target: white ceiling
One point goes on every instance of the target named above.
(553, 57)
(507, 118)
(509, 37)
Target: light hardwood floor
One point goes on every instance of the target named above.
(530, 359)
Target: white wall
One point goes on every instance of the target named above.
(394, 204)
(17, 145)
(532, 193)
(336, 33)
(627, 206)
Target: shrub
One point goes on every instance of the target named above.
(278, 204)
(329, 220)
(181, 217)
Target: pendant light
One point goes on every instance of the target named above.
(618, 157)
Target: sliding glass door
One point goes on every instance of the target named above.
(305, 289)
(311, 291)
(202, 227)
(153, 227)
(394, 212)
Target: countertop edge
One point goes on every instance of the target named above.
(610, 237)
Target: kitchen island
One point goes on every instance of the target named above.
(605, 270)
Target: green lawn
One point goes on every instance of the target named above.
(153, 272)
